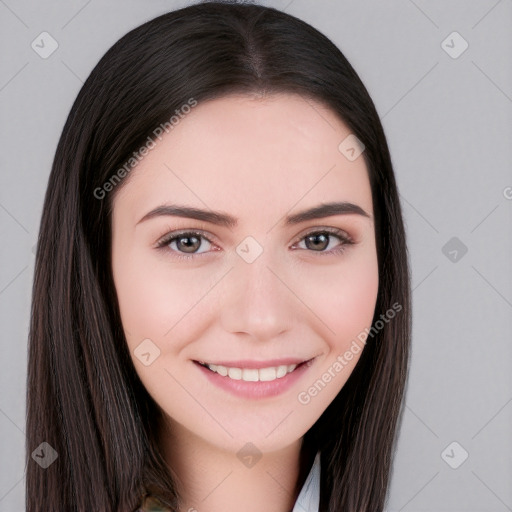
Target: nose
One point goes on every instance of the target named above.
(258, 300)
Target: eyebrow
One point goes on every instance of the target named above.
(224, 219)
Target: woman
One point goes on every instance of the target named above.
(261, 364)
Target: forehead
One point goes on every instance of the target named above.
(249, 156)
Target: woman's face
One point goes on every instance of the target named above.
(267, 290)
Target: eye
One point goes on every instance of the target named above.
(187, 241)
(185, 244)
(318, 241)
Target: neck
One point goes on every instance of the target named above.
(212, 479)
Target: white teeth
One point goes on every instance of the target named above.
(234, 373)
(281, 371)
(253, 374)
(266, 374)
(221, 370)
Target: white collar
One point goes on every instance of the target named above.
(309, 497)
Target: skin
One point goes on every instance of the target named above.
(257, 159)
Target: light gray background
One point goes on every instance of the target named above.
(449, 126)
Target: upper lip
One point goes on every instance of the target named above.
(246, 363)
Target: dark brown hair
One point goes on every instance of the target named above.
(84, 397)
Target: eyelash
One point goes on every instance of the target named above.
(338, 250)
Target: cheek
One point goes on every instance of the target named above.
(139, 295)
(140, 291)
(345, 303)
(344, 300)
(155, 301)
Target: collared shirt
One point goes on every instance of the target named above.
(307, 501)
(309, 497)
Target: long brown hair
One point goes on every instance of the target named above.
(84, 397)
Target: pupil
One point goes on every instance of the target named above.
(323, 243)
(189, 246)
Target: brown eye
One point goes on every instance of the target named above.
(184, 244)
(188, 243)
(319, 241)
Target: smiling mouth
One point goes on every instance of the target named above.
(253, 374)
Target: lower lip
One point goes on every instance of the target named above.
(255, 390)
